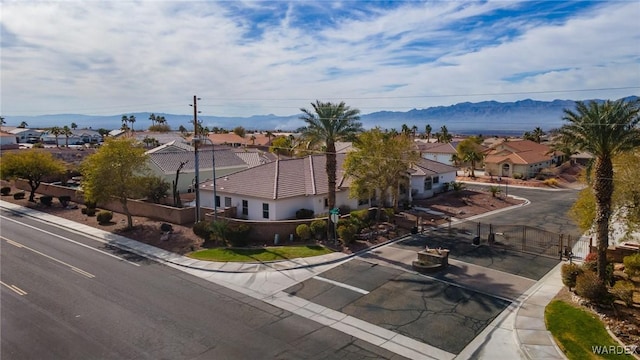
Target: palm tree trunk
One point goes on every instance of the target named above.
(331, 177)
(603, 190)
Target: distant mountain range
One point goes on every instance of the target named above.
(487, 118)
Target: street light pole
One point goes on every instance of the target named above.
(196, 139)
(213, 166)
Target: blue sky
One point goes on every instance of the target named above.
(273, 57)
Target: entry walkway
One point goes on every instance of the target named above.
(517, 333)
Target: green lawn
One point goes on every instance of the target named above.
(577, 332)
(260, 254)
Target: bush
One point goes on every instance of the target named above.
(104, 216)
(360, 215)
(632, 265)
(202, 230)
(304, 214)
(238, 235)
(570, 273)
(590, 287)
(46, 200)
(303, 231)
(347, 233)
(551, 182)
(64, 200)
(344, 209)
(5, 191)
(88, 211)
(623, 290)
(19, 195)
(90, 204)
(164, 227)
(591, 264)
(38, 145)
(517, 176)
(318, 228)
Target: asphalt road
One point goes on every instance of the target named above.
(65, 296)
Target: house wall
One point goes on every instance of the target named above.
(439, 157)
(526, 170)
(417, 185)
(23, 136)
(7, 139)
(187, 178)
(281, 209)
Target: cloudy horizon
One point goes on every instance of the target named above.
(274, 57)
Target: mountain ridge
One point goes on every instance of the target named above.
(485, 117)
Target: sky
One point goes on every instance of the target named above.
(244, 58)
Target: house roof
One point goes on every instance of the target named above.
(518, 152)
(169, 162)
(172, 146)
(437, 148)
(162, 137)
(283, 178)
(426, 167)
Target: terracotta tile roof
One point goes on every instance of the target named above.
(518, 152)
(169, 162)
(282, 178)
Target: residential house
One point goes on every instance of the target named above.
(77, 137)
(8, 141)
(276, 190)
(440, 152)
(429, 177)
(165, 160)
(518, 158)
(24, 135)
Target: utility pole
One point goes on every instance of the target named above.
(196, 140)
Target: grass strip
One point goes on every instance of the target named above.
(580, 334)
(259, 254)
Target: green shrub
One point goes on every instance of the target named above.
(304, 214)
(343, 222)
(551, 182)
(623, 290)
(632, 265)
(202, 230)
(347, 233)
(6, 190)
(303, 231)
(360, 215)
(46, 200)
(344, 209)
(494, 190)
(90, 204)
(590, 287)
(88, 211)
(104, 216)
(64, 200)
(517, 176)
(238, 235)
(570, 273)
(318, 228)
(164, 227)
(38, 145)
(19, 195)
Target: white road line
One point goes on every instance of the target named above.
(76, 269)
(71, 241)
(342, 285)
(14, 288)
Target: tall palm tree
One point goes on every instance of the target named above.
(328, 123)
(132, 119)
(414, 131)
(405, 129)
(56, 131)
(23, 125)
(444, 136)
(2, 122)
(66, 132)
(538, 134)
(74, 126)
(427, 130)
(605, 130)
(152, 117)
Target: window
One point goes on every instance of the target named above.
(427, 183)
(436, 179)
(326, 202)
(227, 201)
(265, 210)
(217, 201)
(245, 207)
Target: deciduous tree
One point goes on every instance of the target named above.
(32, 165)
(117, 170)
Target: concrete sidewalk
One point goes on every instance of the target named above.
(518, 333)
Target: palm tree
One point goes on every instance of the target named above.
(328, 123)
(405, 129)
(414, 130)
(74, 126)
(444, 136)
(269, 135)
(538, 134)
(125, 123)
(23, 125)
(132, 119)
(2, 122)
(427, 130)
(56, 131)
(152, 117)
(605, 130)
(66, 132)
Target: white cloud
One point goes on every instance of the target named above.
(117, 57)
